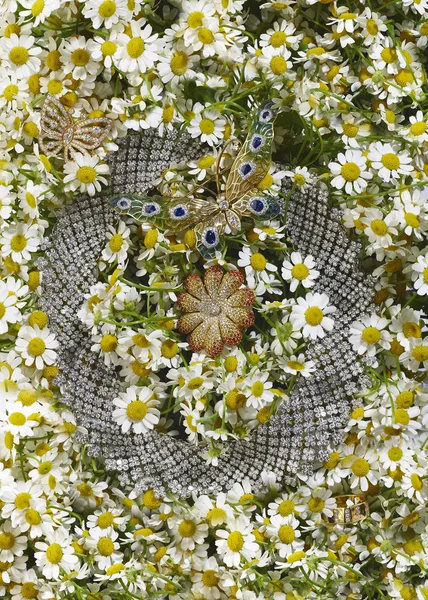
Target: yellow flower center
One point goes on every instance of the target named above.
(195, 383)
(151, 238)
(412, 220)
(234, 400)
(246, 498)
(116, 242)
(350, 171)
(258, 261)
(411, 519)
(28, 590)
(2, 310)
(54, 553)
(10, 92)
(300, 271)
(194, 20)
(168, 113)
(22, 500)
(216, 515)
(19, 55)
(231, 364)
(45, 467)
(332, 461)
(278, 39)
(404, 77)
(263, 414)
(286, 534)
(7, 540)
(299, 179)
(390, 161)
(105, 546)
(286, 508)
(179, 63)
(295, 556)
(235, 541)
(206, 126)
(257, 389)
(33, 517)
(108, 343)
(389, 55)
(17, 419)
(360, 467)
(135, 47)
(169, 349)
(150, 500)
(418, 128)
(108, 48)
(107, 9)
(105, 520)
(412, 330)
(371, 335)
(85, 490)
(36, 346)
(205, 36)
(402, 416)
(137, 410)
(420, 353)
(378, 227)
(316, 505)
(404, 400)
(86, 174)
(315, 52)
(80, 57)
(278, 65)
(209, 578)
(39, 318)
(112, 570)
(395, 454)
(187, 528)
(350, 130)
(297, 366)
(18, 242)
(416, 481)
(313, 315)
(425, 274)
(372, 27)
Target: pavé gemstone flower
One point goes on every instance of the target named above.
(216, 310)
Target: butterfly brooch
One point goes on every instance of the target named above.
(211, 219)
(58, 131)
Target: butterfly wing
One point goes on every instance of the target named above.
(169, 215)
(88, 134)
(209, 234)
(259, 206)
(254, 158)
(54, 123)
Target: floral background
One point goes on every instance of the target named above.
(350, 82)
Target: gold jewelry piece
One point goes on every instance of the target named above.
(59, 132)
(351, 508)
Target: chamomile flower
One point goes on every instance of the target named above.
(256, 266)
(12, 544)
(380, 228)
(416, 356)
(296, 270)
(136, 410)
(208, 125)
(55, 553)
(9, 312)
(36, 346)
(296, 365)
(310, 314)
(106, 12)
(369, 335)
(85, 173)
(237, 542)
(389, 162)
(20, 241)
(284, 534)
(118, 243)
(76, 58)
(419, 274)
(20, 54)
(139, 50)
(406, 325)
(350, 172)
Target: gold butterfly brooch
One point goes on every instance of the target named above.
(210, 219)
(58, 131)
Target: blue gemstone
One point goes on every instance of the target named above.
(266, 114)
(246, 168)
(179, 211)
(257, 205)
(211, 237)
(124, 203)
(150, 208)
(257, 141)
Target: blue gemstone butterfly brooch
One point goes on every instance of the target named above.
(211, 219)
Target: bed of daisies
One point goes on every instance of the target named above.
(350, 82)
